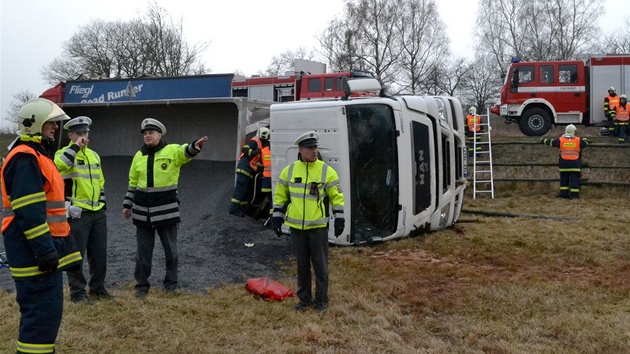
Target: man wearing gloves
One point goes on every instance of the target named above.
(300, 200)
(35, 230)
(570, 161)
(151, 200)
(81, 170)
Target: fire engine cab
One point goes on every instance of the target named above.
(295, 87)
(538, 94)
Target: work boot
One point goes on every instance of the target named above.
(141, 293)
(81, 298)
(302, 306)
(237, 212)
(104, 295)
(321, 308)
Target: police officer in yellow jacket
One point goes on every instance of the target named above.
(151, 200)
(81, 170)
(299, 199)
(35, 230)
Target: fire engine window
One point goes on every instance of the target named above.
(568, 74)
(328, 83)
(314, 85)
(545, 74)
(339, 83)
(525, 74)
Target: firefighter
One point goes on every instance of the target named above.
(80, 168)
(473, 127)
(610, 105)
(266, 180)
(249, 163)
(35, 230)
(300, 193)
(621, 116)
(151, 201)
(570, 161)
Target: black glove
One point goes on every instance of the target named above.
(276, 223)
(340, 223)
(256, 152)
(48, 262)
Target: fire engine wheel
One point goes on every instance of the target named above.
(535, 122)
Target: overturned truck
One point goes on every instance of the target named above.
(401, 160)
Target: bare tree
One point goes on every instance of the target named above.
(482, 84)
(151, 45)
(11, 115)
(536, 29)
(285, 61)
(424, 47)
(618, 42)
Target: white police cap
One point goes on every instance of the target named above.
(152, 124)
(307, 139)
(78, 124)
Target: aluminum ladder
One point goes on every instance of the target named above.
(483, 181)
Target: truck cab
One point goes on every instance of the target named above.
(400, 160)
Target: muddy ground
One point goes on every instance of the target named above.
(211, 242)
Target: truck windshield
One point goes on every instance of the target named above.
(373, 171)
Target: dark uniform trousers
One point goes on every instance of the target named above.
(90, 233)
(41, 304)
(146, 242)
(311, 246)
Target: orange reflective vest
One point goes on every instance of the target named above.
(570, 148)
(54, 189)
(474, 123)
(254, 163)
(622, 113)
(613, 102)
(266, 157)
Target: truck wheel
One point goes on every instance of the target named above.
(535, 122)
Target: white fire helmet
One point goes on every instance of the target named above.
(570, 130)
(264, 133)
(34, 113)
(472, 110)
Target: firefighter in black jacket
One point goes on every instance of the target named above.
(250, 162)
(35, 230)
(570, 161)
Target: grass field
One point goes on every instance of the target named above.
(486, 285)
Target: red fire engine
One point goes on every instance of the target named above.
(297, 87)
(538, 94)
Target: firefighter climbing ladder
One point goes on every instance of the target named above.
(483, 181)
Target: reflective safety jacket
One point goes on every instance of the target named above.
(570, 151)
(474, 123)
(621, 114)
(302, 187)
(84, 180)
(33, 211)
(153, 177)
(610, 104)
(247, 153)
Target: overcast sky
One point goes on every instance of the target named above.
(243, 34)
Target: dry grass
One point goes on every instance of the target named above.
(487, 285)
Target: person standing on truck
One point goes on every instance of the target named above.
(570, 161)
(152, 201)
(81, 170)
(610, 105)
(621, 115)
(473, 127)
(249, 163)
(299, 199)
(35, 230)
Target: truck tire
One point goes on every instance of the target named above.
(535, 122)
